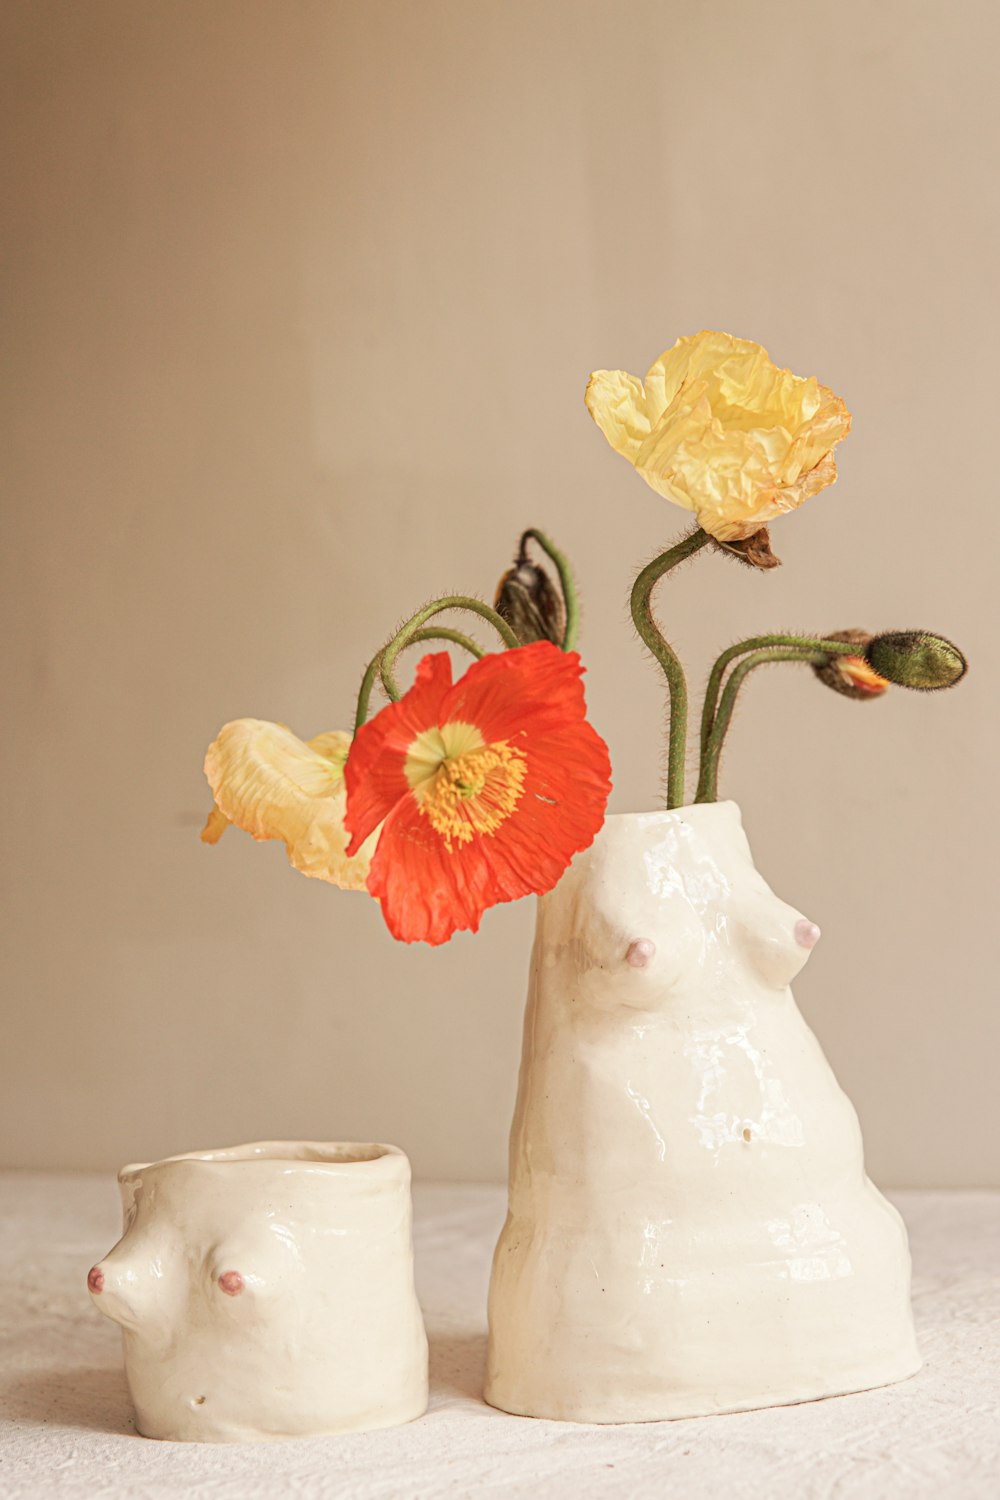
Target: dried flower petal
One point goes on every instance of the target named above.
(754, 551)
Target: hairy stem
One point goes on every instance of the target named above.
(756, 643)
(708, 781)
(566, 582)
(442, 633)
(403, 637)
(652, 636)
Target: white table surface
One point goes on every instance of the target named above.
(66, 1428)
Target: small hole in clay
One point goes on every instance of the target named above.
(746, 1134)
(199, 1401)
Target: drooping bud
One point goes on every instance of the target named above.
(851, 675)
(754, 551)
(916, 659)
(530, 602)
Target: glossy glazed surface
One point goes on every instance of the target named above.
(266, 1291)
(690, 1226)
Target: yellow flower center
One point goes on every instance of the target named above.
(465, 787)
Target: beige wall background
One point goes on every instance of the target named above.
(300, 302)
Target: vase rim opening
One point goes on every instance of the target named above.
(310, 1155)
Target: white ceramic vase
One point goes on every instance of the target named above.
(690, 1226)
(266, 1291)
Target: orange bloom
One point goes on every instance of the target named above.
(853, 676)
(861, 675)
(487, 786)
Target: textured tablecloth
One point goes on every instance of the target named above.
(67, 1429)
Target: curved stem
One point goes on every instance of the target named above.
(566, 582)
(372, 670)
(708, 780)
(645, 624)
(403, 637)
(755, 643)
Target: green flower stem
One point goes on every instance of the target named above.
(566, 582)
(757, 643)
(442, 633)
(452, 601)
(708, 781)
(645, 624)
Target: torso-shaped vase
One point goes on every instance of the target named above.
(266, 1291)
(690, 1226)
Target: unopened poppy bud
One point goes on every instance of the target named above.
(917, 659)
(851, 675)
(530, 603)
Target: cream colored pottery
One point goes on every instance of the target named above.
(690, 1227)
(266, 1291)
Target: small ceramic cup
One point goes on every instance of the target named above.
(266, 1291)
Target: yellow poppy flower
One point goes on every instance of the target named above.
(720, 430)
(276, 786)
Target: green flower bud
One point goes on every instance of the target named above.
(916, 659)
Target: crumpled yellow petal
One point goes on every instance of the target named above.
(617, 403)
(276, 786)
(720, 430)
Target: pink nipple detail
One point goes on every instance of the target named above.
(640, 953)
(95, 1280)
(231, 1282)
(806, 933)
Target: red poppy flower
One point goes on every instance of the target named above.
(487, 786)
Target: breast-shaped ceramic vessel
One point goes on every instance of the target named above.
(266, 1291)
(690, 1226)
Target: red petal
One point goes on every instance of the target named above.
(531, 690)
(561, 810)
(426, 893)
(373, 774)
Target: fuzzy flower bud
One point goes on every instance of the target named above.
(851, 675)
(916, 659)
(530, 603)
